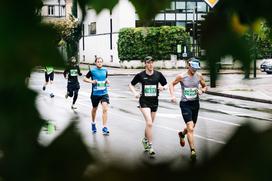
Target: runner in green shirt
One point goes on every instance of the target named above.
(49, 78)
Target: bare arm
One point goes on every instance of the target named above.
(172, 87)
(133, 90)
(204, 87)
(89, 80)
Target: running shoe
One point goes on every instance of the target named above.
(193, 155)
(73, 106)
(93, 128)
(105, 131)
(181, 139)
(43, 88)
(145, 144)
(52, 95)
(151, 150)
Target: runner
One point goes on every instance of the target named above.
(99, 93)
(72, 85)
(189, 104)
(49, 78)
(148, 99)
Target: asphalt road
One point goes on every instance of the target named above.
(218, 119)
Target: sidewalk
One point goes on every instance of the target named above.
(254, 89)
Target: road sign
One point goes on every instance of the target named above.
(211, 3)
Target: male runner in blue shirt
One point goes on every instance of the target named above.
(99, 93)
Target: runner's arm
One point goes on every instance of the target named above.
(204, 87)
(132, 84)
(133, 90)
(87, 78)
(163, 83)
(65, 73)
(172, 87)
(78, 70)
(107, 80)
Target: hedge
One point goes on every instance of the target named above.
(158, 42)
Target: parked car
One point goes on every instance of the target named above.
(268, 68)
(264, 64)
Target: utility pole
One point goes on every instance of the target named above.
(59, 7)
(194, 28)
(255, 56)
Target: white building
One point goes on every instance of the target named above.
(101, 33)
(101, 30)
(56, 9)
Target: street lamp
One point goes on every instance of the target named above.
(59, 7)
(193, 27)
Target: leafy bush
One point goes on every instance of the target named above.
(68, 34)
(159, 42)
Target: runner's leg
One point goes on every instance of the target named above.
(105, 108)
(148, 119)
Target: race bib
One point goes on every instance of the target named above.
(190, 93)
(49, 70)
(101, 85)
(73, 72)
(150, 90)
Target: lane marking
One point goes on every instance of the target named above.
(171, 129)
(166, 115)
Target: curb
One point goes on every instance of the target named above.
(239, 97)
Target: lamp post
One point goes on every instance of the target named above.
(59, 7)
(193, 28)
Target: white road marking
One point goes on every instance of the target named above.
(167, 115)
(171, 129)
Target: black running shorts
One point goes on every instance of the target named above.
(151, 103)
(73, 87)
(49, 76)
(97, 99)
(189, 110)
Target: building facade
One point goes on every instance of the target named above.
(101, 31)
(56, 9)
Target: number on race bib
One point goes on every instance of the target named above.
(101, 85)
(190, 93)
(150, 90)
(73, 72)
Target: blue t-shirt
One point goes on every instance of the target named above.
(100, 75)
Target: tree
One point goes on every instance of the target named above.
(26, 43)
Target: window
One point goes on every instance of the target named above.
(180, 5)
(50, 10)
(181, 16)
(170, 16)
(159, 16)
(201, 7)
(92, 28)
(191, 5)
(180, 23)
(63, 11)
